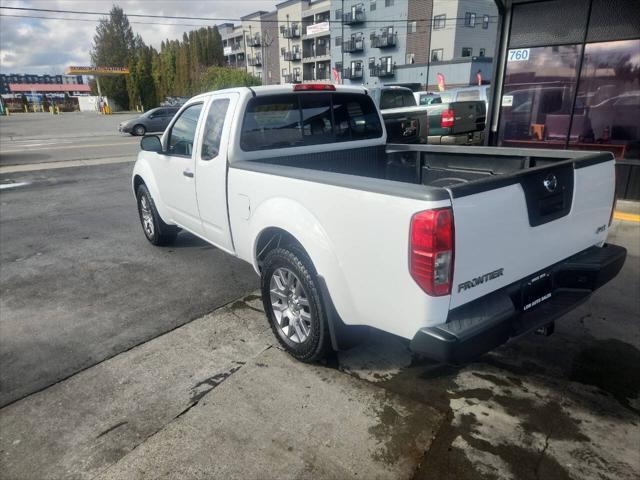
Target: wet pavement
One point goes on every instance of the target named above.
(217, 398)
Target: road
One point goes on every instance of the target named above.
(42, 138)
(80, 283)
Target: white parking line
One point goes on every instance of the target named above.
(4, 186)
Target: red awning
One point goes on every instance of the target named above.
(49, 87)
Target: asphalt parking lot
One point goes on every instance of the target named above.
(119, 360)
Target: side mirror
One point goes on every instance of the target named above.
(151, 143)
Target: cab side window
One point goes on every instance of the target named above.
(184, 131)
(213, 129)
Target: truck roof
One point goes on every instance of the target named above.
(277, 89)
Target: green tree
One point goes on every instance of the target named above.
(216, 78)
(112, 45)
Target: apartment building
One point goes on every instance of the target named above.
(370, 42)
(463, 29)
(369, 39)
(253, 42)
(316, 41)
(233, 45)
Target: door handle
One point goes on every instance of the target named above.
(187, 173)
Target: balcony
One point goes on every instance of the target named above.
(352, 73)
(294, 56)
(236, 47)
(254, 61)
(382, 70)
(386, 40)
(292, 31)
(292, 78)
(253, 41)
(354, 17)
(352, 46)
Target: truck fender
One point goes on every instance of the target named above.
(296, 220)
(143, 171)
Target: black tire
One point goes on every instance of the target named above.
(318, 342)
(139, 130)
(156, 231)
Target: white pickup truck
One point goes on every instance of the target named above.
(456, 249)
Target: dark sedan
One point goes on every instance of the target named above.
(154, 120)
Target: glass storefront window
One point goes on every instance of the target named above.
(607, 111)
(538, 94)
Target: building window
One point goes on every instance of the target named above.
(482, 52)
(282, 51)
(467, 52)
(388, 3)
(410, 58)
(606, 111)
(372, 6)
(338, 66)
(412, 26)
(439, 22)
(436, 55)
(338, 41)
(537, 97)
(470, 19)
(284, 72)
(485, 21)
(339, 14)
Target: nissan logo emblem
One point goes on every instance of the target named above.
(550, 182)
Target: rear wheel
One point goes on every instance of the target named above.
(292, 302)
(156, 231)
(139, 130)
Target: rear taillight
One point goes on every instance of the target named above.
(431, 250)
(302, 87)
(446, 119)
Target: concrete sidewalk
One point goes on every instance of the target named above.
(161, 410)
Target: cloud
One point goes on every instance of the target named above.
(30, 45)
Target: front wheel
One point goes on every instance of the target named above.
(156, 231)
(291, 300)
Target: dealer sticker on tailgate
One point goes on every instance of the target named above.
(536, 290)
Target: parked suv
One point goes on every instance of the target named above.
(154, 120)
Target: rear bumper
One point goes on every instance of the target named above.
(481, 325)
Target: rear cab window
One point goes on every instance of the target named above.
(300, 119)
(466, 95)
(396, 99)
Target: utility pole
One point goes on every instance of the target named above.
(266, 43)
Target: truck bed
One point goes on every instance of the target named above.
(457, 169)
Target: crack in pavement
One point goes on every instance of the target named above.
(195, 401)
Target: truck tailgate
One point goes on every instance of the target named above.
(512, 227)
(468, 116)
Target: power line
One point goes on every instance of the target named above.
(97, 20)
(211, 19)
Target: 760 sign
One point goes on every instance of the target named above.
(519, 55)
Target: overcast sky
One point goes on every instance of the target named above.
(29, 45)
